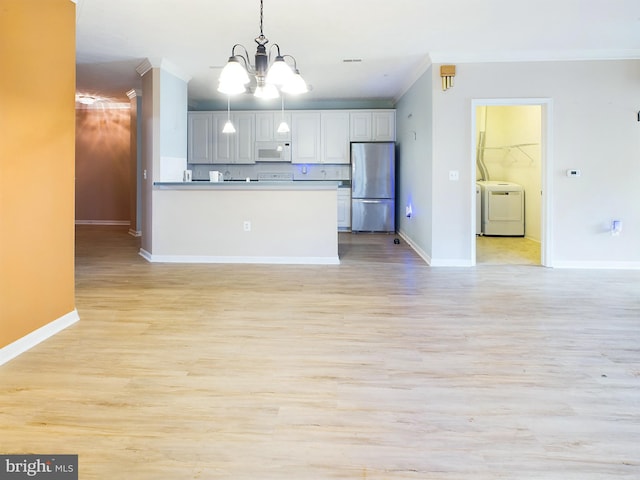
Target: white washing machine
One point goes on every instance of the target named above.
(502, 208)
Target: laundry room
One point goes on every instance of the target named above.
(509, 183)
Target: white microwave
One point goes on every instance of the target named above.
(273, 151)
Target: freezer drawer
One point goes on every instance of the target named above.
(372, 215)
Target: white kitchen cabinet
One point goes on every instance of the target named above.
(222, 142)
(238, 147)
(267, 124)
(200, 137)
(384, 125)
(316, 136)
(372, 125)
(244, 143)
(305, 137)
(334, 137)
(344, 208)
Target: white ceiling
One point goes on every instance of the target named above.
(396, 39)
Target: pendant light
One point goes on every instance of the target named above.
(283, 127)
(228, 126)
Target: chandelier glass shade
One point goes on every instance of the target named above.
(272, 75)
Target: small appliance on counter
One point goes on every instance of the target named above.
(215, 176)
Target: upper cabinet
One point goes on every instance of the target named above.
(244, 138)
(305, 137)
(316, 136)
(200, 130)
(334, 136)
(207, 144)
(372, 126)
(267, 124)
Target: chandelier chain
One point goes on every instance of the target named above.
(261, 10)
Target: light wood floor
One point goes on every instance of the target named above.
(380, 368)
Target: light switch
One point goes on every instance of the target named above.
(454, 175)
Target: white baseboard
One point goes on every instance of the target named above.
(103, 222)
(598, 265)
(32, 339)
(415, 247)
(135, 233)
(262, 260)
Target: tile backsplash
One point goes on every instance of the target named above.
(300, 172)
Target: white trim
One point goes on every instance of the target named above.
(534, 56)
(597, 265)
(421, 253)
(103, 222)
(220, 259)
(135, 233)
(144, 67)
(134, 93)
(451, 262)
(163, 64)
(32, 339)
(546, 213)
(420, 70)
(104, 105)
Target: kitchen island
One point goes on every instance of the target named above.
(242, 222)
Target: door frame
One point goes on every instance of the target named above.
(546, 149)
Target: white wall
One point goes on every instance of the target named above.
(164, 138)
(594, 129)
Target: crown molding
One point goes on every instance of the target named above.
(144, 67)
(163, 64)
(420, 70)
(134, 93)
(533, 56)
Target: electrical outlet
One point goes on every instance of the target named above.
(454, 175)
(247, 226)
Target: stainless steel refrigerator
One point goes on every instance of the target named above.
(373, 182)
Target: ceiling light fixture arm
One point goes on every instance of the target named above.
(244, 58)
(272, 72)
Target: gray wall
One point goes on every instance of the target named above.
(414, 126)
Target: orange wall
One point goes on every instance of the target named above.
(103, 158)
(37, 122)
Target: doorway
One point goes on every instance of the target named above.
(511, 148)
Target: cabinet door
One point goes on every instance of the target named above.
(223, 142)
(335, 137)
(344, 208)
(200, 141)
(264, 126)
(305, 141)
(360, 126)
(384, 126)
(267, 124)
(244, 151)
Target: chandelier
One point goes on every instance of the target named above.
(272, 75)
